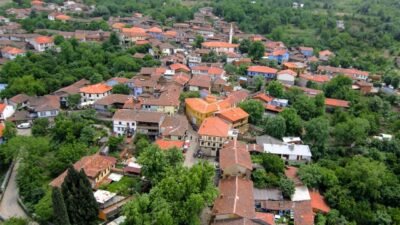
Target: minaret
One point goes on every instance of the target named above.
(231, 34)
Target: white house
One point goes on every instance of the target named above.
(124, 121)
(92, 93)
(11, 52)
(6, 111)
(286, 77)
(42, 43)
(290, 152)
(219, 46)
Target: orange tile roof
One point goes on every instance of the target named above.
(63, 17)
(279, 52)
(141, 42)
(167, 144)
(306, 49)
(337, 103)
(233, 114)
(43, 40)
(171, 33)
(214, 126)
(36, 2)
(318, 202)
(95, 89)
(118, 25)
(177, 66)
(218, 44)
(12, 50)
(261, 69)
(273, 108)
(215, 71)
(290, 72)
(316, 78)
(325, 53)
(262, 96)
(155, 30)
(201, 106)
(92, 165)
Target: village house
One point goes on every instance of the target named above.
(174, 128)
(129, 36)
(6, 111)
(319, 79)
(127, 121)
(266, 72)
(92, 93)
(213, 133)
(297, 67)
(336, 103)
(235, 200)
(110, 103)
(219, 47)
(72, 89)
(290, 152)
(42, 43)
(234, 160)
(287, 77)
(11, 52)
(281, 56)
(198, 109)
(237, 117)
(96, 167)
(198, 83)
(352, 73)
(325, 55)
(110, 203)
(166, 102)
(306, 51)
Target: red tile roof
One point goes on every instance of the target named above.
(233, 114)
(95, 89)
(118, 25)
(2, 107)
(235, 153)
(269, 218)
(325, 53)
(204, 107)
(181, 78)
(179, 66)
(279, 52)
(263, 97)
(203, 81)
(261, 69)
(12, 50)
(337, 103)
(273, 108)
(43, 40)
(290, 72)
(155, 30)
(167, 144)
(236, 198)
(215, 127)
(316, 78)
(318, 202)
(218, 44)
(63, 17)
(2, 127)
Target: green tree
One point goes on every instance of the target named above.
(121, 89)
(40, 127)
(254, 108)
(174, 157)
(115, 142)
(352, 131)
(259, 82)
(154, 163)
(275, 88)
(10, 130)
(16, 221)
(79, 200)
(88, 134)
(59, 208)
(256, 50)
(44, 209)
(189, 94)
(198, 41)
(317, 132)
(73, 101)
(294, 124)
(244, 46)
(287, 187)
(315, 176)
(275, 126)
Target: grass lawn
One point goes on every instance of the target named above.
(126, 186)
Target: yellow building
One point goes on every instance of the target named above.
(198, 109)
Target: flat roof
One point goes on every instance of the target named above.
(303, 150)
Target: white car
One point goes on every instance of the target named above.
(24, 126)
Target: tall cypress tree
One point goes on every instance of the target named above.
(59, 209)
(81, 205)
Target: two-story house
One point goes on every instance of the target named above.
(92, 93)
(11, 52)
(266, 72)
(234, 160)
(237, 117)
(219, 47)
(42, 43)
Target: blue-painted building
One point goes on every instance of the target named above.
(280, 55)
(307, 51)
(267, 72)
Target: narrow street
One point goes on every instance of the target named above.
(189, 159)
(9, 206)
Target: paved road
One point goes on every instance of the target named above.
(9, 206)
(189, 159)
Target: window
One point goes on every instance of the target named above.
(120, 123)
(90, 95)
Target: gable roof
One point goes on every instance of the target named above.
(200, 105)
(218, 44)
(233, 114)
(235, 153)
(92, 165)
(203, 81)
(95, 89)
(337, 103)
(43, 40)
(263, 97)
(236, 197)
(12, 50)
(214, 126)
(261, 69)
(177, 66)
(168, 144)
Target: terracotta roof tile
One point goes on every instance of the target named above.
(214, 126)
(43, 40)
(2, 127)
(95, 89)
(269, 218)
(235, 153)
(318, 202)
(218, 44)
(261, 69)
(337, 103)
(203, 81)
(2, 107)
(233, 114)
(177, 66)
(236, 197)
(167, 144)
(204, 107)
(290, 72)
(316, 78)
(12, 50)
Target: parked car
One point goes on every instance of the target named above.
(186, 146)
(24, 126)
(198, 154)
